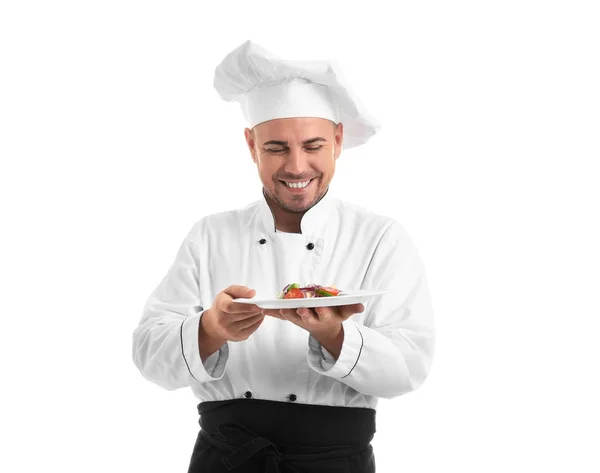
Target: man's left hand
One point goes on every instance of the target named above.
(320, 321)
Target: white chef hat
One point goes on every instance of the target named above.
(268, 87)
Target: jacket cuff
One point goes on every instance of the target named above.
(214, 366)
(321, 360)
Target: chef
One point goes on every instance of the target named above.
(289, 390)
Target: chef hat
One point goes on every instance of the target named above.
(268, 87)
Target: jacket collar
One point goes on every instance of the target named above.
(313, 221)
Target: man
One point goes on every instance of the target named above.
(289, 390)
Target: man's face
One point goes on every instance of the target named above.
(295, 151)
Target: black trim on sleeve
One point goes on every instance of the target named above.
(184, 359)
(362, 342)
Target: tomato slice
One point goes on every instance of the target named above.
(329, 291)
(294, 294)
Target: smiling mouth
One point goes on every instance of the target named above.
(297, 184)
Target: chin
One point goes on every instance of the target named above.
(298, 208)
(293, 205)
(302, 205)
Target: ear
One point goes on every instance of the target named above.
(339, 139)
(251, 142)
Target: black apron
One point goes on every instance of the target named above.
(258, 436)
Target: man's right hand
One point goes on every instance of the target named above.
(227, 320)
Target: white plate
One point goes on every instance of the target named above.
(351, 297)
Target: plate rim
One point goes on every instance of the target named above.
(362, 293)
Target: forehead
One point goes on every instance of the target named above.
(293, 129)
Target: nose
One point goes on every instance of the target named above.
(296, 162)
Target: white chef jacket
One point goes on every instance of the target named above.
(387, 350)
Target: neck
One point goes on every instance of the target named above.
(285, 221)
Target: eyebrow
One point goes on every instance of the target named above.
(285, 143)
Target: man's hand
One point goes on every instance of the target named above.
(323, 323)
(227, 320)
(320, 321)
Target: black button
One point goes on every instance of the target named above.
(248, 394)
(262, 241)
(293, 397)
(310, 246)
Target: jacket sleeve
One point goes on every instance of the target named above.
(165, 343)
(392, 352)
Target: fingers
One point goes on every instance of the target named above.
(241, 311)
(248, 322)
(317, 313)
(335, 312)
(239, 292)
(252, 328)
(237, 308)
(290, 312)
(304, 316)
(306, 313)
(240, 331)
(271, 312)
(346, 311)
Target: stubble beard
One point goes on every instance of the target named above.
(296, 209)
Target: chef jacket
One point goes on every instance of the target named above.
(387, 350)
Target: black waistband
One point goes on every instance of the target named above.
(292, 424)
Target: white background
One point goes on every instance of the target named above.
(113, 142)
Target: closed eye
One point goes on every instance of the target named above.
(285, 150)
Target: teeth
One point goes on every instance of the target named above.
(297, 185)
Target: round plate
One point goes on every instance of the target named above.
(351, 297)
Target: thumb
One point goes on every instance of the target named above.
(240, 292)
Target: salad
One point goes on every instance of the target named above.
(294, 291)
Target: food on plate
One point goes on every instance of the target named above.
(294, 291)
